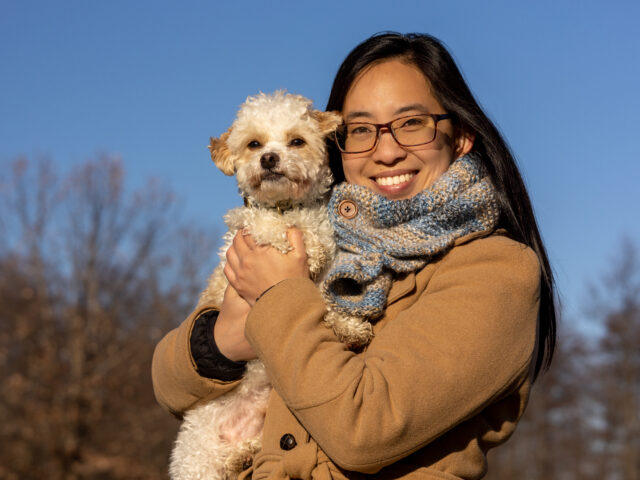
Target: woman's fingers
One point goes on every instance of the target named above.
(235, 254)
(240, 242)
(251, 268)
(229, 273)
(296, 240)
(232, 256)
(248, 239)
(238, 255)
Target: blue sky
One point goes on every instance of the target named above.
(151, 81)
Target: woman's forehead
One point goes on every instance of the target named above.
(388, 88)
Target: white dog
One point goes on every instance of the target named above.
(276, 149)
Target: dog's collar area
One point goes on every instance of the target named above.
(280, 207)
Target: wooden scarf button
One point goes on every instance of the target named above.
(347, 209)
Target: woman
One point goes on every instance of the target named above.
(461, 329)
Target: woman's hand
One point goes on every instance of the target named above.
(252, 269)
(228, 331)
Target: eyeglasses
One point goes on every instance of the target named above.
(409, 131)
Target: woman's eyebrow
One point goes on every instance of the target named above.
(407, 108)
(353, 115)
(413, 107)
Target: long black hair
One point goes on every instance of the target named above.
(448, 86)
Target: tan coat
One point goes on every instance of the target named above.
(446, 377)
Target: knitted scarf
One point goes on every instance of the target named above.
(378, 237)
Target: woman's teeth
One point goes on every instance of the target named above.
(398, 179)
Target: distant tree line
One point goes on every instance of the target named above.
(92, 276)
(583, 418)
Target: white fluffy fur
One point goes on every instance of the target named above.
(217, 438)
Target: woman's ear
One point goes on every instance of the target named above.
(464, 142)
(221, 155)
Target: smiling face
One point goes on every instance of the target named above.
(380, 94)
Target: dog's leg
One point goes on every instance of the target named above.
(354, 332)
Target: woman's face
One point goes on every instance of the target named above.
(381, 94)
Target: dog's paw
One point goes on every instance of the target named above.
(242, 458)
(355, 332)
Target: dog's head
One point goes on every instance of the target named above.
(276, 148)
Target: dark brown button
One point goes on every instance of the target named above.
(347, 209)
(288, 442)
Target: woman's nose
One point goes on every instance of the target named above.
(388, 150)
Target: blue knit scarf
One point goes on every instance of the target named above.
(390, 237)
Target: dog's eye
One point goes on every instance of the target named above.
(297, 142)
(253, 144)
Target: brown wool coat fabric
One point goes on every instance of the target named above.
(446, 377)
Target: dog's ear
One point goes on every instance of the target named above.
(221, 155)
(328, 121)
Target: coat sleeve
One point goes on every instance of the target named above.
(463, 344)
(176, 382)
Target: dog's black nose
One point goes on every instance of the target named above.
(269, 160)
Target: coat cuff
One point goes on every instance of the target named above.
(176, 382)
(210, 362)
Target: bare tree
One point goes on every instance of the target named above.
(617, 308)
(552, 440)
(90, 278)
(582, 421)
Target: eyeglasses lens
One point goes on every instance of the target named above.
(414, 130)
(408, 131)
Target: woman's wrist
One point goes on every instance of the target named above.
(210, 361)
(228, 335)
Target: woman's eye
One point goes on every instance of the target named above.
(253, 144)
(297, 142)
(360, 130)
(412, 122)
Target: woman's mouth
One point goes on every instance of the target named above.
(396, 185)
(394, 180)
